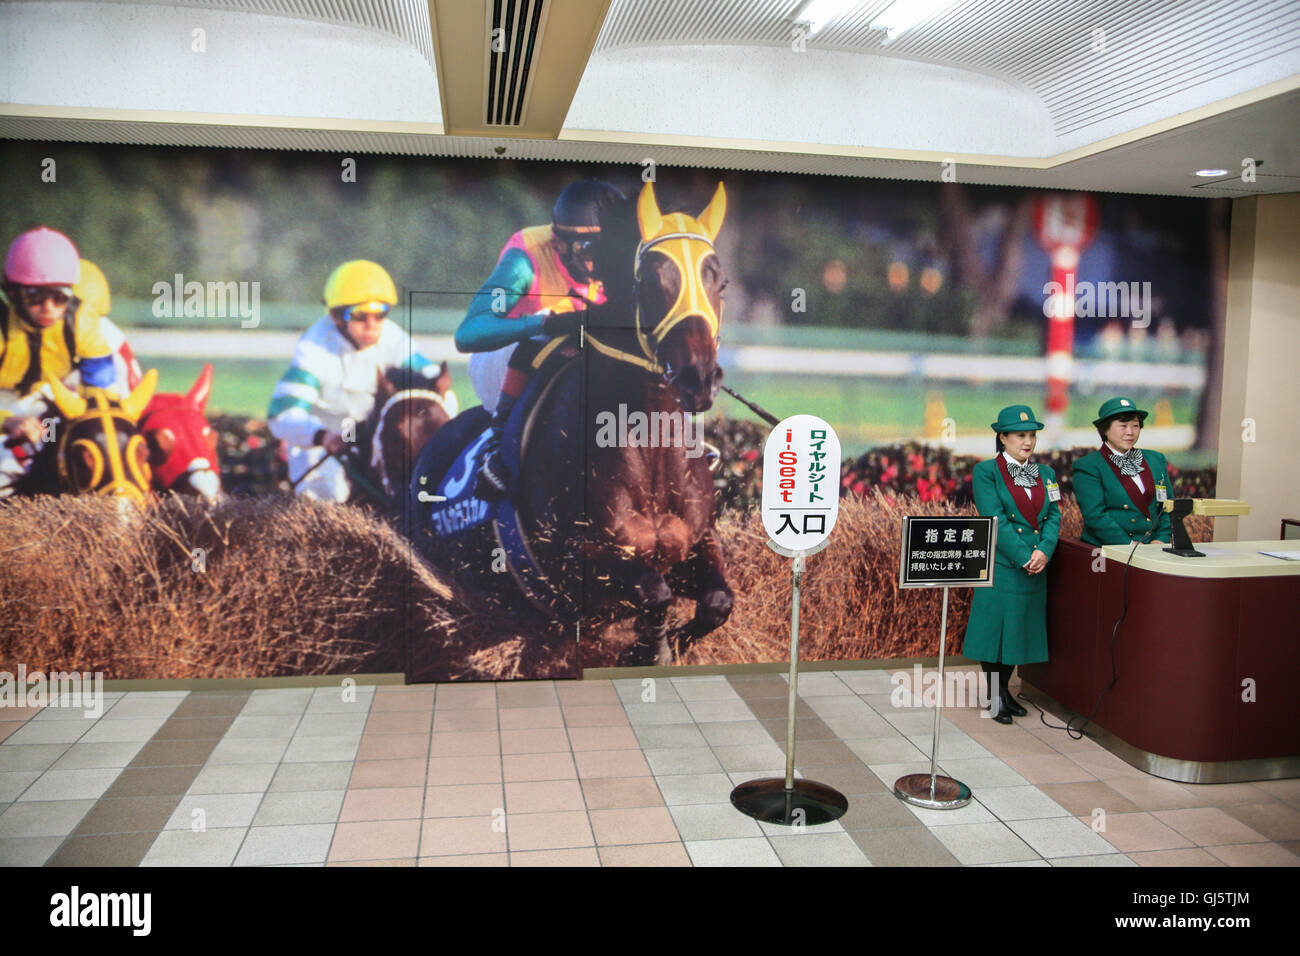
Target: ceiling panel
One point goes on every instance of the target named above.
(408, 20)
(1090, 62)
(166, 58)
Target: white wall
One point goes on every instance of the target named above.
(1261, 368)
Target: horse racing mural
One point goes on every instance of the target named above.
(486, 420)
(588, 526)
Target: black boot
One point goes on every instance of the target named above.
(1008, 699)
(992, 678)
(493, 478)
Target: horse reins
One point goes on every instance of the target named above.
(676, 313)
(754, 407)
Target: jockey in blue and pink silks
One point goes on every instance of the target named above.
(543, 280)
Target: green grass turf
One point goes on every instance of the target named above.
(865, 412)
(871, 411)
(239, 386)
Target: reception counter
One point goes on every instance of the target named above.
(1207, 657)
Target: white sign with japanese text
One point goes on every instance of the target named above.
(801, 482)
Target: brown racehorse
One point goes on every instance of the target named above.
(651, 349)
(410, 407)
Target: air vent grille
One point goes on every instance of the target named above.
(514, 35)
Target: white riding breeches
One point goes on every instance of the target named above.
(487, 373)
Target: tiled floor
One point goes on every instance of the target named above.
(589, 773)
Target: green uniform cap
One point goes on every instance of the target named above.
(1016, 418)
(1119, 406)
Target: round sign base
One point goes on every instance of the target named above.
(809, 802)
(949, 794)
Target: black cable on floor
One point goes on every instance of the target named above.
(1068, 727)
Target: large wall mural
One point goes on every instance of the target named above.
(276, 414)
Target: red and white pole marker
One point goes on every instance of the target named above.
(1064, 225)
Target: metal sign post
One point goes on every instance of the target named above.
(787, 800)
(801, 467)
(934, 790)
(943, 552)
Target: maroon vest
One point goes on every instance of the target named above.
(1142, 498)
(1029, 508)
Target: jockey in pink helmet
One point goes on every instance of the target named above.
(45, 332)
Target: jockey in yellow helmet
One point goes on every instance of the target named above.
(329, 389)
(92, 290)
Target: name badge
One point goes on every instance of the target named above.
(1162, 493)
(1054, 491)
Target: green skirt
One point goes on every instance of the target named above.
(1007, 627)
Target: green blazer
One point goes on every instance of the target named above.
(1008, 621)
(1109, 515)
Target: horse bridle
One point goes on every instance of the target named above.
(376, 450)
(691, 300)
(691, 297)
(119, 484)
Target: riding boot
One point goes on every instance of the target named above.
(1009, 702)
(493, 479)
(997, 704)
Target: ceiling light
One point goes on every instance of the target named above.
(1208, 173)
(818, 13)
(902, 15)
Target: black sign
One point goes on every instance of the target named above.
(947, 552)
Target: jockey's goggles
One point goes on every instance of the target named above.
(578, 246)
(366, 310)
(30, 295)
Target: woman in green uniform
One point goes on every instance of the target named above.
(1121, 490)
(1008, 621)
